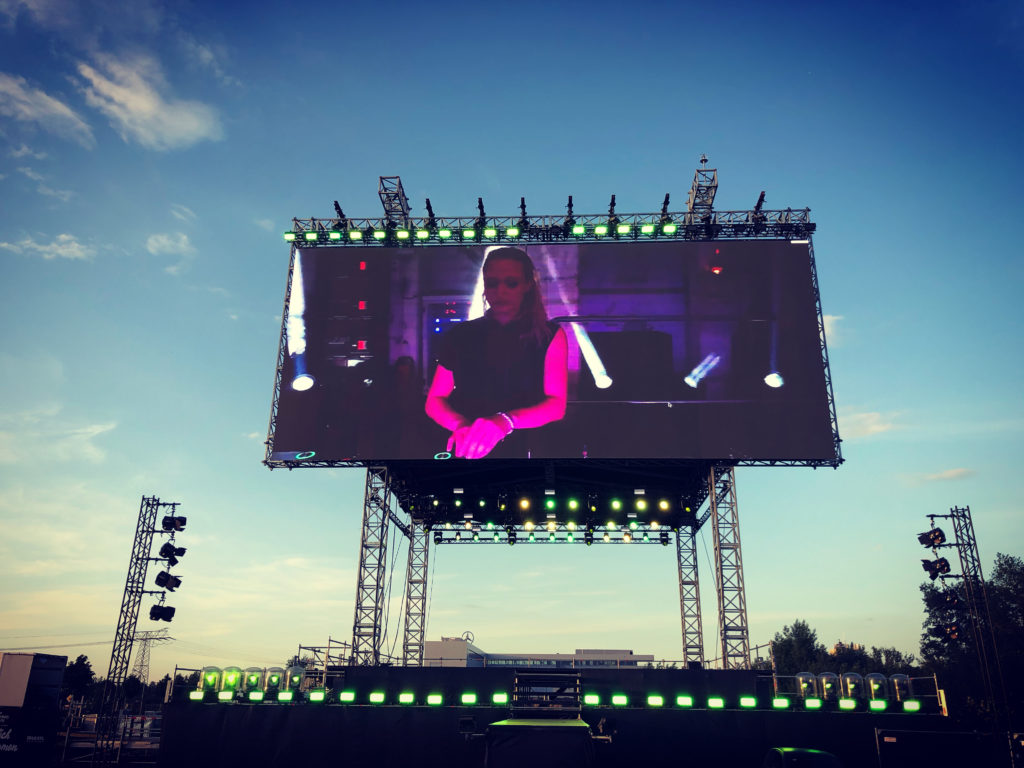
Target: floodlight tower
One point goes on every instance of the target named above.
(145, 639)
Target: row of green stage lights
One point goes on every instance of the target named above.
(488, 233)
(616, 505)
(501, 698)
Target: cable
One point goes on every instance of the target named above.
(62, 645)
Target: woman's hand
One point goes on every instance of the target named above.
(479, 438)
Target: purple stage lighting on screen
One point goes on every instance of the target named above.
(702, 370)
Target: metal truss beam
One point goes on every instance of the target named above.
(546, 532)
(837, 441)
(416, 594)
(689, 595)
(107, 742)
(703, 189)
(367, 634)
(789, 224)
(732, 601)
(392, 197)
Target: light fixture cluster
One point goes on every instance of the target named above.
(168, 553)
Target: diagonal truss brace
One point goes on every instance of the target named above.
(366, 628)
(416, 594)
(732, 601)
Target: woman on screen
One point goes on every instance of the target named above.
(505, 371)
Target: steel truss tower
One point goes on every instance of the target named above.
(416, 594)
(107, 741)
(732, 601)
(373, 550)
(689, 595)
(145, 639)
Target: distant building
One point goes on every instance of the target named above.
(840, 647)
(459, 652)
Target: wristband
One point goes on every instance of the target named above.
(511, 424)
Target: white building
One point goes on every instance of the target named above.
(459, 652)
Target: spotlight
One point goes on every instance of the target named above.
(702, 370)
(167, 581)
(935, 568)
(173, 523)
(303, 382)
(932, 538)
(588, 537)
(161, 613)
(438, 536)
(774, 380)
(664, 538)
(171, 553)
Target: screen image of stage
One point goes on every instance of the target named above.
(678, 350)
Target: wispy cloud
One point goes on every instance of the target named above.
(949, 474)
(182, 212)
(61, 194)
(133, 94)
(176, 244)
(832, 329)
(204, 56)
(26, 151)
(26, 434)
(27, 104)
(854, 424)
(63, 246)
(266, 224)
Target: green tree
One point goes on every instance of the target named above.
(796, 649)
(949, 643)
(79, 677)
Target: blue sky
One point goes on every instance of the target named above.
(152, 154)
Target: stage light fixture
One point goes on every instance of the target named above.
(195, 695)
(286, 695)
(255, 695)
(524, 503)
(601, 229)
(171, 553)
(812, 702)
(173, 523)
(591, 699)
(317, 695)
(654, 700)
(165, 580)
(347, 697)
(468, 234)
(620, 700)
(669, 229)
(512, 232)
(377, 697)
(531, 537)
(334, 235)
(406, 698)
(935, 568)
(641, 505)
(911, 705)
(490, 232)
(626, 537)
(402, 234)
(774, 380)
(623, 229)
(663, 536)
(551, 525)
(458, 535)
(435, 699)
(444, 234)
(684, 700)
(289, 237)
(606, 537)
(311, 236)
(497, 536)
(379, 234)
(716, 702)
(574, 504)
(702, 370)
(616, 504)
(647, 229)
(934, 537)
(422, 234)
(468, 699)
(633, 525)
(499, 697)
(550, 503)
(747, 702)
(579, 229)
(877, 705)
(355, 234)
(588, 538)
(780, 702)
(847, 704)
(438, 536)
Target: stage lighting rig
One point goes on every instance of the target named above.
(613, 220)
(665, 218)
(936, 568)
(523, 225)
(173, 523)
(342, 221)
(481, 221)
(431, 220)
(934, 537)
(161, 613)
(570, 220)
(171, 553)
(166, 581)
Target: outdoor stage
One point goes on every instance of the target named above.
(548, 729)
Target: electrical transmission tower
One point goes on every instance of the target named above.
(145, 639)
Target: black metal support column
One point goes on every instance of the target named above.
(732, 601)
(416, 594)
(689, 595)
(373, 548)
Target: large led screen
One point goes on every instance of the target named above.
(618, 350)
